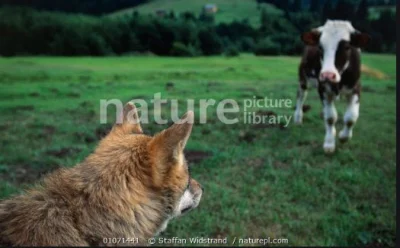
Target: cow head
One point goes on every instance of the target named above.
(335, 40)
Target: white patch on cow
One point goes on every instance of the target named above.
(345, 67)
(351, 115)
(298, 114)
(313, 73)
(331, 34)
(330, 113)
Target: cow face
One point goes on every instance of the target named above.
(336, 40)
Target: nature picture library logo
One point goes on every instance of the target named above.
(266, 117)
(255, 110)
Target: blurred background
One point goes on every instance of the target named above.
(59, 58)
(180, 28)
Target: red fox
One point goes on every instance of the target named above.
(128, 189)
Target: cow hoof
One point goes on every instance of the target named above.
(298, 119)
(329, 148)
(344, 136)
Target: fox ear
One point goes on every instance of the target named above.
(128, 121)
(168, 145)
(311, 38)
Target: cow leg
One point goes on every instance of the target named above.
(330, 118)
(350, 117)
(301, 97)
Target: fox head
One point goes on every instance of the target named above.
(148, 176)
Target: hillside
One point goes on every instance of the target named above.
(227, 10)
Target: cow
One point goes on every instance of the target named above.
(332, 57)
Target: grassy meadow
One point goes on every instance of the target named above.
(260, 180)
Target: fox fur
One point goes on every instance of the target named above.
(128, 188)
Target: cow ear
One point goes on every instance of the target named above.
(360, 40)
(311, 38)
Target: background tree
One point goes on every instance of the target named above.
(95, 7)
(344, 10)
(210, 43)
(282, 4)
(362, 11)
(25, 31)
(327, 11)
(315, 5)
(296, 6)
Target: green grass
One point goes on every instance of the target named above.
(259, 182)
(228, 11)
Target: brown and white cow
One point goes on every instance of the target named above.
(332, 57)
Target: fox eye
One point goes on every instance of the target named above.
(188, 184)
